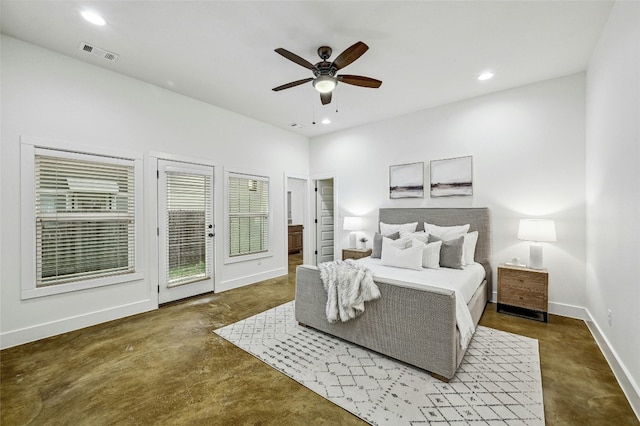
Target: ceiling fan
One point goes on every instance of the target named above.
(325, 78)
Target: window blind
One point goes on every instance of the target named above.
(188, 216)
(248, 214)
(84, 219)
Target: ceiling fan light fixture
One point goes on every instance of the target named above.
(325, 83)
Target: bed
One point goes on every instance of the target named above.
(413, 324)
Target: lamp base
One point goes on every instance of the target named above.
(535, 256)
(352, 240)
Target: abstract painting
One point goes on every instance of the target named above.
(451, 177)
(406, 181)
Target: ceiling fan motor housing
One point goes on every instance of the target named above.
(324, 68)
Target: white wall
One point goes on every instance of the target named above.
(613, 187)
(528, 161)
(51, 96)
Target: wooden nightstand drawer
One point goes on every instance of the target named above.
(524, 297)
(524, 289)
(523, 278)
(355, 253)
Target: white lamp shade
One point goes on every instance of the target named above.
(352, 223)
(324, 83)
(537, 230)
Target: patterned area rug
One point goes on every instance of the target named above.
(498, 382)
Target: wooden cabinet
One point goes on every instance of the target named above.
(523, 291)
(295, 238)
(353, 253)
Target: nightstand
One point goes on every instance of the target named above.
(354, 253)
(523, 291)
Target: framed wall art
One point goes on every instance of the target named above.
(406, 181)
(452, 177)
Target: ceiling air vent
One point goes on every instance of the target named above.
(100, 53)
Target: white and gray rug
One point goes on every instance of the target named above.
(498, 382)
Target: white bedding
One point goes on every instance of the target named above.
(464, 281)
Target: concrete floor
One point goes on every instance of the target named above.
(167, 367)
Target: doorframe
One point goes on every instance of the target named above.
(151, 215)
(306, 221)
(312, 199)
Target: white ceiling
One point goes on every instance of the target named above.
(426, 53)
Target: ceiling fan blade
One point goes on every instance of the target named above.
(292, 84)
(295, 58)
(351, 54)
(358, 80)
(325, 98)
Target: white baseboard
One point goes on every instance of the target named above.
(571, 311)
(41, 331)
(628, 385)
(250, 279)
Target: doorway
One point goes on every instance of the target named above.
(185, 230)
(297, 234)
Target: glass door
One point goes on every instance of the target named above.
(185, 230)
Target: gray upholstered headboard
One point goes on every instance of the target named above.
(479, 220)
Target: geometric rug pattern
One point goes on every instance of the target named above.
(498, 382)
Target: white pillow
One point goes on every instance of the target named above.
(430, 253)
(446, 232)
(388, 229)
(469, 248)
(418, 235)
(400, 243)
(409, 258)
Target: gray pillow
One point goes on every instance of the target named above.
(450, 252)
(376, 251)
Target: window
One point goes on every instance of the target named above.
(248, 214)
(188, 215)
(85, 222)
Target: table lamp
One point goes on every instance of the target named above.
(536, 231)
(352, 224)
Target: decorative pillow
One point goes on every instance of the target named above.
(408, 258)
(469, 247)
(450, 252)
(446, 232)
(387, 229)
(418, 235)
(430, 253)
(401, 243)
(376, 250)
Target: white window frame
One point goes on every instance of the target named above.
(246, 257)
(29, 148)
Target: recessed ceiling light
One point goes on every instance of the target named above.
(326, 121)
(94, 18)
(485, 75)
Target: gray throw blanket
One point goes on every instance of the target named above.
(348, 286)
